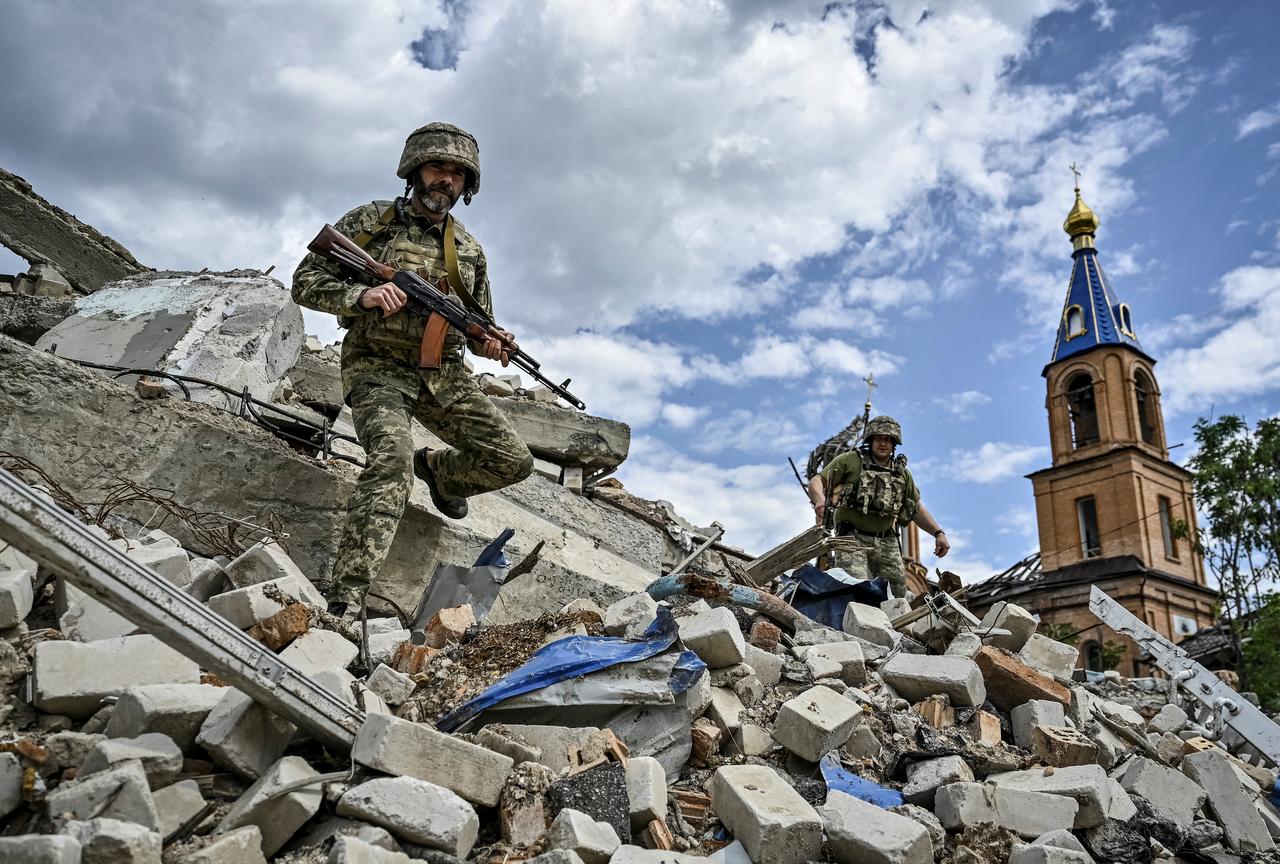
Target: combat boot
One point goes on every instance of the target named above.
(454, 508)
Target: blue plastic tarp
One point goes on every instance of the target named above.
(575, 656)
(841, 779)
(823, 597)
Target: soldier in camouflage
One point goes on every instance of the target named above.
(382, 380)
(874, 495)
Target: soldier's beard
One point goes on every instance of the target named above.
(438, 198)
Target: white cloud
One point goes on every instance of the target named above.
(749, 431)
(1241, 358)
(962, 404)
(1257, 121)
(683, 416)
(994, 461)
(759, 504)
(963, 560)
(1018, 521)
(773, 357)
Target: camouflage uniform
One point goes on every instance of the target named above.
(870, 502)
(386, 389)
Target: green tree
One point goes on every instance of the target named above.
(1060, 631)
(1237, 485)
(1261, 651)
(1112, 654)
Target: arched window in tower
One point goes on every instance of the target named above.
(1146, 394)
(1075, 321)
(1093, 656)
(1126, 321)
(1083, 410)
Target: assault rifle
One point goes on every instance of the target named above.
(428, 300)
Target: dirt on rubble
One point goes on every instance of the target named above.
(486, 655)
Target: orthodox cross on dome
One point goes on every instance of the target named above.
(871, 385)
(1076, 172)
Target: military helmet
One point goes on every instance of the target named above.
(884, 425)
(445, 142)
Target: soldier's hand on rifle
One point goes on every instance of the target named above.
(387, 297)
(497, 349)
(819, 510)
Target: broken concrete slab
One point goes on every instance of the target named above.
(175, 710)
(239, 328)
(925, 777)
(1049, 656)
(919, 676)
(870, 623)
(26, 317)
(40, 849)
(815, 722)
(40, 231)
(1170, 718)
(593, 842)
(277, 816)
(714, 636)
(567, 437)
(1010, 626)
(1035, 712)
(770, 818)
(241, 846)
(244, 736)
(414, 810)
(646, 791)
(630, 616)
(859, 832)
(72, 678)
(161, 759)
(318, 650)
(177, 803)
(110, 841)
(398, 747)
(121, 793)
(1027, 814)
(1243, 828)
(1087, 784)
(17, 575)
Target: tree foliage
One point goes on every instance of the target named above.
(1262, 653)
(1237, 485)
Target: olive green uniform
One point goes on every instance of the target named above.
(871, 501)
(386, 389)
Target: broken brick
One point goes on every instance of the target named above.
(1010, 682)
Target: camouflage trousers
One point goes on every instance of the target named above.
(484, 454)
(883, 560)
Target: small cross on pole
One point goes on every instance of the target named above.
(1075, 172)
(871, 385)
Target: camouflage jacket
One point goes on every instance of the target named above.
(385, 349)
(871, 498)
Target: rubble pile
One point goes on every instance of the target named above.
(720, 736)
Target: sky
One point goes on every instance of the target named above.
(718, 217)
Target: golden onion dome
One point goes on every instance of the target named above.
(1081, 219)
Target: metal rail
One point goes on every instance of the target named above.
(1228, 706)
(41, 530)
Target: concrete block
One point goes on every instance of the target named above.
(1243, 829)
(11, 775)
(964, 644)
(87, 620)
(161, 759)
(552, 742)
(1027, 814)
(862, 833)
(244, 736)
(1122, 808)
(1037, 712)
(117, 793)
(73, 678)
(1053, 658)
(753, 740)
(843, 660)
(177, 803)
(68, 749)
(398, 747)
(414, 810)
(207, 579)
(1010, 682)
(268, 563)
(250, 604)
(924, 778)
(1062, 838)
(277, 816)
(770, 818)
(815, 722)
(725, 709)
(176, 710)
(1173, 796)
(646, 791)
(40, 849)
(1087, 784)
(353, 850)
(715, 637)
(110, 841)
(394, 687)
(1011, 618)
(630, 616)
(767, 665)
(594, 842)
(241, 846)
(870, 623)
(1025, 853)
(1170, 718)
(17, 573)
(383, 646)
(170, 561)
(862, 743)
(919, 676)
(1061, 746)
(568, 856)
(320, 649)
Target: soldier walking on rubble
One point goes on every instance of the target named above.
(382, 380)
(874, 494)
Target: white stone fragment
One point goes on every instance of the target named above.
(1087, 784)
(277, 816)
(815, 722)
(767, 665)
(177, 803)
(630, 616)
(1170, 718)
(352, 850)
(1017, 622)
(862, 833)
(1049, 656)
(870, 623)
(1243, 828)
(1027, 814)
(40, 849)
(416, 811)
(117, 793)
(319, 649)
(243, 735)
(161, 759)
(924, 778)
(646, 791)
(241, 846)
(594, 842)
(11, 773)
(113, 841)
(843, 660)
(176, 710)
(17, 573)
(919, 676)
(714, 636)
(246, 606)
(72, 678)
(1035, 712)
(394, 687)
(770, 818)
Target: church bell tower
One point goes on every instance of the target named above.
(1107, 507)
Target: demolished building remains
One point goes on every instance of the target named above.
(573, 675)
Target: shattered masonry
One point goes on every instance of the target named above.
(546, 707)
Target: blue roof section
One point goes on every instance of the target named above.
(1101, 320)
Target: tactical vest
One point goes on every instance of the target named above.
(881, 490)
